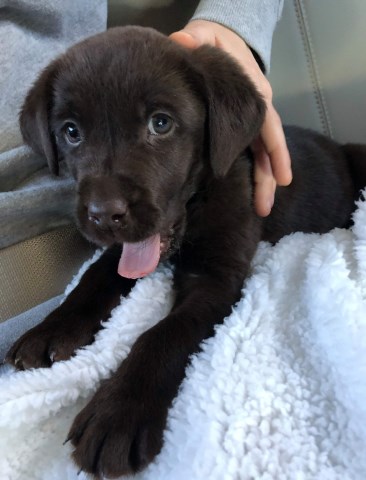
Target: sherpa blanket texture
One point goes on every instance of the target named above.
(278, 393)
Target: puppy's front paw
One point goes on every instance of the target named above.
(116, 434)
(51, 341)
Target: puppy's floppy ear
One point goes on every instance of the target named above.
(34, 117)
(235, 108)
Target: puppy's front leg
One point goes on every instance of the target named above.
(121, 429)
(75, 322)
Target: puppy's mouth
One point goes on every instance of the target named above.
(146, 236)
(138, 259)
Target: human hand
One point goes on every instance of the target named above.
(272, 159)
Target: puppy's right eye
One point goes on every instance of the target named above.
(72, 133)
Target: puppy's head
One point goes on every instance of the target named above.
(139, 121)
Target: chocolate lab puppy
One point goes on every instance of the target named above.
(157, 138)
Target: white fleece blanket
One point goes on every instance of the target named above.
(278, 393)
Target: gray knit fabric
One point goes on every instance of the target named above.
(253, 20)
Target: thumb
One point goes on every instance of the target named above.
(185, 39)
(193, 35)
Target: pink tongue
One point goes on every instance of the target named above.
(140, 258)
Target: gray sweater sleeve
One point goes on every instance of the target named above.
(253, 20)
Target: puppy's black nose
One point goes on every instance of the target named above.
(108, 213)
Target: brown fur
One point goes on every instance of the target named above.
(193, 185)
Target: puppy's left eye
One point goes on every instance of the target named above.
(159, 124)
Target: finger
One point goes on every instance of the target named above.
(265, 184)
(274, 142)
(185, 39)
(195, 34)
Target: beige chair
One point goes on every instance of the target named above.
(318, 69)
(319, 80)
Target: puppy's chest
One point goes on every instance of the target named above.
(220, 204)
(200, 213)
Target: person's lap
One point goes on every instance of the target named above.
(14, 327)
